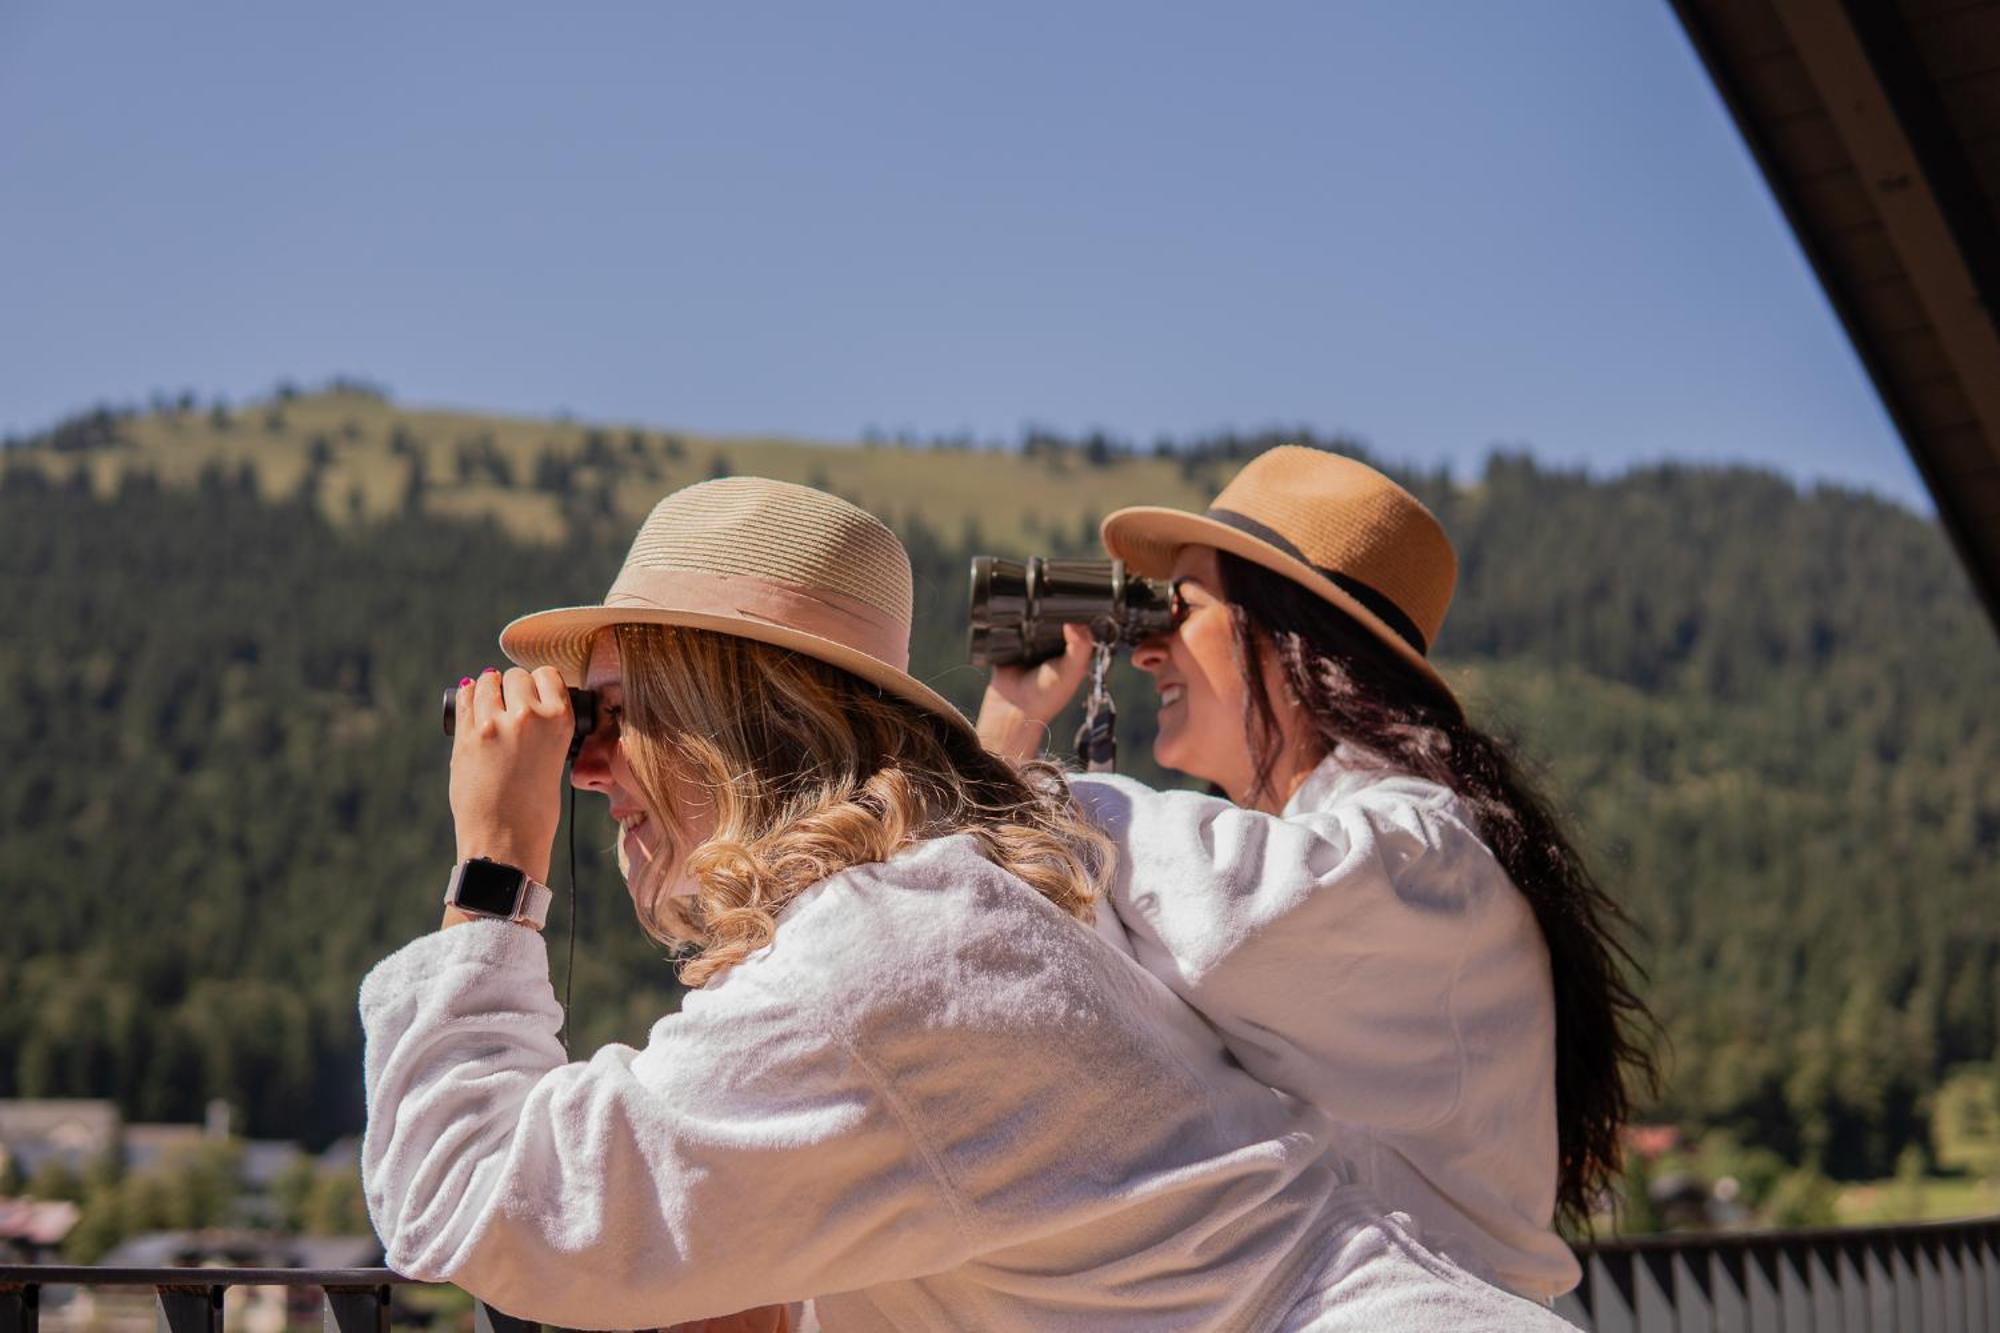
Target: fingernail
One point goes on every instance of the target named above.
(464, 681)
(492, 670)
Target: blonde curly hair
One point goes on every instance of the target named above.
(812, 770)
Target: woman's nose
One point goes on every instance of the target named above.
(591, 769)
(1151, 654)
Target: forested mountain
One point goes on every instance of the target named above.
(223, 791)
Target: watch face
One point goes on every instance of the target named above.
(489, 887)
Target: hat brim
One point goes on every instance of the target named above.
(561, 638)
(1148, 538)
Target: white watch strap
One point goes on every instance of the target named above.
(535, 899)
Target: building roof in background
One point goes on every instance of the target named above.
(151, 1145)
(1878, 128)
(264, 1160)
(148, 1144)
(32, 1130)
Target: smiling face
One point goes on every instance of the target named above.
(603, 767)
(1203, 697)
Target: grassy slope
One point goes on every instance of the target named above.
(1017, 502)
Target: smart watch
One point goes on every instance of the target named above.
(480, 887)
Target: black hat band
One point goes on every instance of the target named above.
(1384, 610)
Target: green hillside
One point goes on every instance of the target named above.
(1771, 710)
(359, 457)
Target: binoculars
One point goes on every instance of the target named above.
(582, 707)
(1019, 609)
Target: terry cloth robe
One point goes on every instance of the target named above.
(1365, 951)
(934, 1101)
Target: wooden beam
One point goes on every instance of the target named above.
(1908, 198)
(1904, 193)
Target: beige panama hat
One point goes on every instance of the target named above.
(1337, 526)
(766, 560)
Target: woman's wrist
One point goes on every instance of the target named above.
(1022, 703)
(1007, 730)
(501, 849)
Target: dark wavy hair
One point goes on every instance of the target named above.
(1358, 691)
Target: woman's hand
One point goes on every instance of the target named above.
(507, 751)
(1021, 702)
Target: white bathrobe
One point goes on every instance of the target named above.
(1365, 951)
(933, 1102)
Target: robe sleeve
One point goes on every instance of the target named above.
(1326, 946)
(746, 1156)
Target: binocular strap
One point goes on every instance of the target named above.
(1097, 738)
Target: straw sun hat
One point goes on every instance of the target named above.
(1339, 527)
(766, 560)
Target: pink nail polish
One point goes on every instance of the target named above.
(464, 681)
(493, 670)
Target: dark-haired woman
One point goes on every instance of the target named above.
(1382, 918)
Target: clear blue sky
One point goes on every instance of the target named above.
(1439, 226)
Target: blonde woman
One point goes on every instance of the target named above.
(910, 1083)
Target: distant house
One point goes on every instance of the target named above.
(78, 1132)
(264, 1160)
(148, 1145)
(75, 1130)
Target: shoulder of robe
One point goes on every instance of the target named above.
(1423, 832)
(862, 937)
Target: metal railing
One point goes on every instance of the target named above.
(189, 1300)
(1912, 1278)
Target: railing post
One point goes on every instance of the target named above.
(1822, 1265)
(1985, 1247)
(1971, 1281)
(1653, 1291)
(1794, 1289)
(486, 1319)
(1951, 1282)
(357, 1310)
(1930, 1285)
(20, 1309)
(1903, 1267)
(1728, 1290)
(1760, 1290)
(1611, 1307)
(1693, 1305)
(1881, 1286)
(189, 1309)
(1851, 1285)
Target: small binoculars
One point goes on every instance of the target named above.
(582, 705)
(1019, 609)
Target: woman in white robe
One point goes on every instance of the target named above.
(1374, 908)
